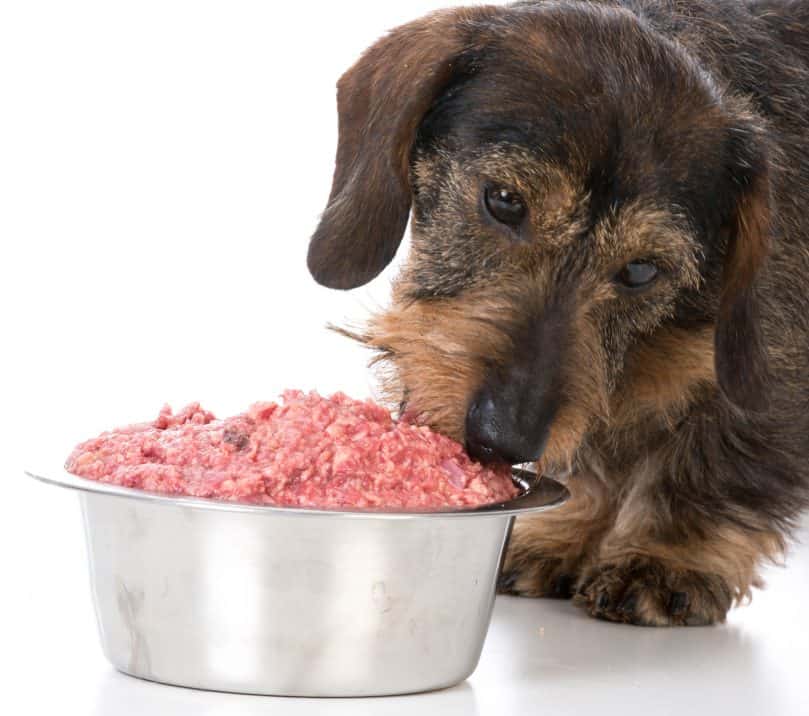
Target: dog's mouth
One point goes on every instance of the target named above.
(557, 472)
(408, 413)
(403, 403)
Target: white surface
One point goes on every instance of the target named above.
(162, 165)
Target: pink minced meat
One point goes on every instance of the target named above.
(308, 451)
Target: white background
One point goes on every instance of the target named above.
(162, 165)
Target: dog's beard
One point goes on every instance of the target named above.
(431, 358)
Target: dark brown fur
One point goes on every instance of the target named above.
(675, 130)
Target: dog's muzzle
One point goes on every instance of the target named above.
(509, 418)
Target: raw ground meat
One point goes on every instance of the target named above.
(307, 451)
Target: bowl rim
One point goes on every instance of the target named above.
(538, 493)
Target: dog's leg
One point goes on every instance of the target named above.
(673, 566)
(546, 552)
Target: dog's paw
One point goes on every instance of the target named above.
(536, 566)
(536, 576)
(647, 592)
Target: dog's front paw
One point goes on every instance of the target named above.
(537, 577)
(650, 593)
(536, 566)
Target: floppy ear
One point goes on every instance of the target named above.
(381, 101)
(740, 353)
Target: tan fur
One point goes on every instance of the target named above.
(663, 376)
(435, 348)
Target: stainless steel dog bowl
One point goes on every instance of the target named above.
(285, 601)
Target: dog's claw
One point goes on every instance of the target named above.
(585, 584)
(563, 587)
(628, 604)
(678, 603)
(506, 581)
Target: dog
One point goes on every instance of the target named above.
(607, 276)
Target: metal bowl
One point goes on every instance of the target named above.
(297, 602)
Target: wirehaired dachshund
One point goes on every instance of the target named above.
(609, 276)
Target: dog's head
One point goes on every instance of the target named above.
(589, 215)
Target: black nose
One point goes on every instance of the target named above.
(502, 428)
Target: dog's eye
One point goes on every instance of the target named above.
(637, 274)
(504, 205)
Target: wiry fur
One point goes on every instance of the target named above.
(667, 130)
